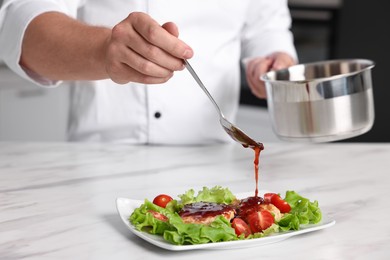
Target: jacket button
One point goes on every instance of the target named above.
(157, 115)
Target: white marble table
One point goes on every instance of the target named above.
(57, 201)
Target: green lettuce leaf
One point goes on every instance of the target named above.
(216, 194)
(143, 220)
(303, 211)
(219, 230)
(176, 231)
(274, 228)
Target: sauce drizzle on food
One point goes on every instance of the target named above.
(248, 206)
(204, 209)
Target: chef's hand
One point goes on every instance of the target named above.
(140, 50)
(258, 66)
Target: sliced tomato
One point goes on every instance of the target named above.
(268, 196)
(162, 200)
(278, 202)
(241, 227)
(260, 220)
(281, 204)
(158, 215)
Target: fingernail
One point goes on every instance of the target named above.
(187, 54)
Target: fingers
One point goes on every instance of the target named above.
(254, 70)
(129, 48)
(171, 28)
(125, 66)
(281, 60)
(140, 50)
(152, 32)
(259, 66)
(122, 74)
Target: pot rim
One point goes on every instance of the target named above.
(370, 64)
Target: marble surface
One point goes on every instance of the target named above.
(57, 200)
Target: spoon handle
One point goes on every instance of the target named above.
(197, 79)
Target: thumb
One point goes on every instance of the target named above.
(171, 28)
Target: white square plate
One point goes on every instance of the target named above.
(126, 207)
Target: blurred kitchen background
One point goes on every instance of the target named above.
(323, 29)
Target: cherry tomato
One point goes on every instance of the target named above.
(162, 200)
(278, 202)
(260, 220)
(241, 227)
(158, 215)
(268, 196)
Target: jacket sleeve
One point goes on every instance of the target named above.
(267, 29)
(15, 15)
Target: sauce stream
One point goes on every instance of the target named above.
(257, 150)
(257, 147)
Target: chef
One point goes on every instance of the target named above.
(123, 61)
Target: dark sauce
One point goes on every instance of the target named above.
(246, 142)
(245, 207)
(258, 147)
(204, 209)
(248, 206)
(257, 150)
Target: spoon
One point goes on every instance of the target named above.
(233, 131)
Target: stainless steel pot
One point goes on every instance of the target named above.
(322, 101)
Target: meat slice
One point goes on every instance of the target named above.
(205, 212)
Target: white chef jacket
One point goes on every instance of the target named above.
(177, 112)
